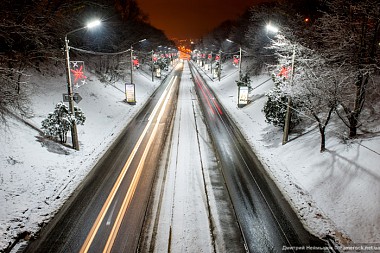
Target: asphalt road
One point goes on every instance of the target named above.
(267, 221)
(106, 212)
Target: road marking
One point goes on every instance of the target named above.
(159, 102)
(111, 214)
(91, 235)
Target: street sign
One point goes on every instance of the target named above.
(76, 97)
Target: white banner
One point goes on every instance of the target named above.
(243, 95)
(130, 93)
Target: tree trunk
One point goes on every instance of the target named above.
(323, 137)
(322, 127)
(353, 121)
(353, 117)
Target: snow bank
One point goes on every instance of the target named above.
(335, 192)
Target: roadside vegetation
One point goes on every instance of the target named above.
(324, 57)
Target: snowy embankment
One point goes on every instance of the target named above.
(335, 193)
(38, 175)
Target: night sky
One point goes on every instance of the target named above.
(191, 18)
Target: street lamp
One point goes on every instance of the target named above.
(220, 64)
(239, 56)
(271, 28)
(132, 57)
(74, 132)
(285, 136)
(242, 89)
(152, 64)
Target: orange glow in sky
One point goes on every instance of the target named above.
(192, 18)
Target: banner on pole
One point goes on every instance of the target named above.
(77, 73)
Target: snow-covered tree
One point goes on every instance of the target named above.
(59, 122)
(276, 104)
(245, 80)
(349, 33)
(318, 89)
(10, 97)
(313, 85)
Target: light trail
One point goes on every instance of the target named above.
(94, 230)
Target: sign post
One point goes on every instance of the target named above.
(76, 97)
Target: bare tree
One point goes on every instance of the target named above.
(349, 34)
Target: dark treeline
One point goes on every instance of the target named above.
(32, 35)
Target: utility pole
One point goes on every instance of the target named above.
(211, 63)
(220, 64)
(131, 64)
(74, 131)
(288, 108)
(152, 66)
(239, 63)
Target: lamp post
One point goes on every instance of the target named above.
(288, 107)
(273, 29)
(239, 56)
(132, 57)
(211, 63)
(242, 89)
(220, 64)
(74, 132)
(134, 95)
(152, 65)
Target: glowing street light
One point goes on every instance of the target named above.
(74, 132)
(93, 23)
(271, 28)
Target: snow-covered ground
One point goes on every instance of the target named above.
(334, 192)
(37, 175)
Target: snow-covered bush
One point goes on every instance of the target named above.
(276, 106)
(59, 122)
(245, 80)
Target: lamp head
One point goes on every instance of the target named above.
(93, 23)
(272, 28)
